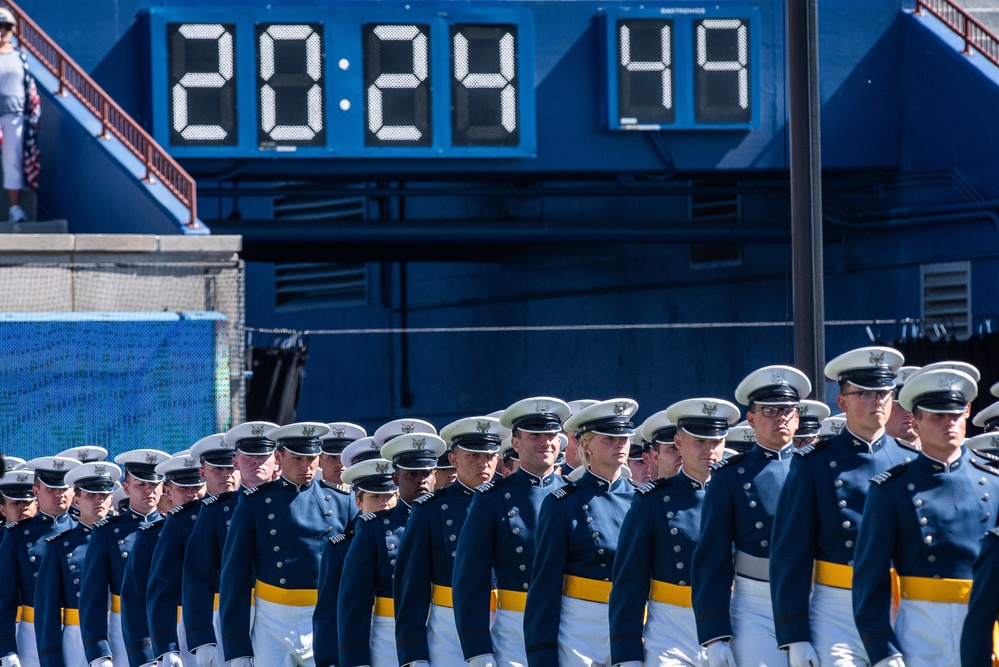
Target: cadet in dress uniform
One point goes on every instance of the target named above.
(565, 615)
(340, 435)
(276, 537)
(183, 485)
(988, 419)
(738, 515)
(107, 554)
(977, 643)
(810, 417)
(661, 432)
(17, 496)
(740, 439)
(899, 425)
(926, 518)
(189, 479)
(21, 554)
(57, 593)
(498, 538)
(572, 460)
(251, 456)
(425, 564)
(653, 565)
(369, 566)
(819, 514)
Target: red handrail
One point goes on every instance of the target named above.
(974, 33)
(114, 120)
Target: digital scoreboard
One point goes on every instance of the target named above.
(431, 79)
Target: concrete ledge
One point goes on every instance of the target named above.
(221, 243)
(115, 242)
(121, 247)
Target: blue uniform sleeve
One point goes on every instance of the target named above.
(357, 596)
(48, 608)
(543, 608)
(712, 568)
(237, 583)
(472, 579)
(872, 574)
(163, 591)
(324, 618)
(632, 580)
(413, 587)
(983, 606)
(134, 621)
(792, 554)
(200, 582)
(94, 595)
(9, 599)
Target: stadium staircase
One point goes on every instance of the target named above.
(978, 32)
(100, 169)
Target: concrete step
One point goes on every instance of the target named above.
(34, 227)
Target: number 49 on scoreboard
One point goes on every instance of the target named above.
(682, 67)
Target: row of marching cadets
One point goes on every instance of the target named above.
(847, 540)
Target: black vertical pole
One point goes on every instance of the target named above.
(806, 189)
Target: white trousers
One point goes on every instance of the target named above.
(72, 647)
(834, 633)
(583, 634)
(117, 640)
(281, 635)
(11, 155)
(509, 646)
(754, 640)
(670, 636)
(442, 638)
(382, 644)
(185, 655)
(27, 649)
(930, 632)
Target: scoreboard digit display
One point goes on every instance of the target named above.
(682, 67)
(436, 78)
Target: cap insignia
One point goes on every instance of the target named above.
(21, 479)
(777, 377)
(189, 463)
(151, 458)
(308, 430)
(337, 432)
(749, 436)
(945, 382)
(100, 470)
(709, 409)
(83, 454)
(482, 427)
(620, 408)
(408, 427)
(257, 430)
(995, 441)
(419, 443)
(58, 465)
(382, 468)
(542, 407)
(877, 359)
(836, 428)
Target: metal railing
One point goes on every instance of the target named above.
(974, 33)
(114, 120)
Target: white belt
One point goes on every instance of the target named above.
(753, 567)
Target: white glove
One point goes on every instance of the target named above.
(241, 662)
(801, 654)
(207, 656)
(486, 660)
(10, 661)
(170, 659)
(102, 662)
(893, 661)
(719, 654)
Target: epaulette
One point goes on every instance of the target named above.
(58, 535)
(108, 521)
(214, 499)
(908, 445)
(264, 486)
(568, 489)
(492, 485)
(427, 497)
(342, 537)
(374, 515)
(812, 448)
(8, 526)
(152, 524)
(984, 466)
(735, 458)
(186, 506)
(883, 477)
(649, 487)
(994, 532)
